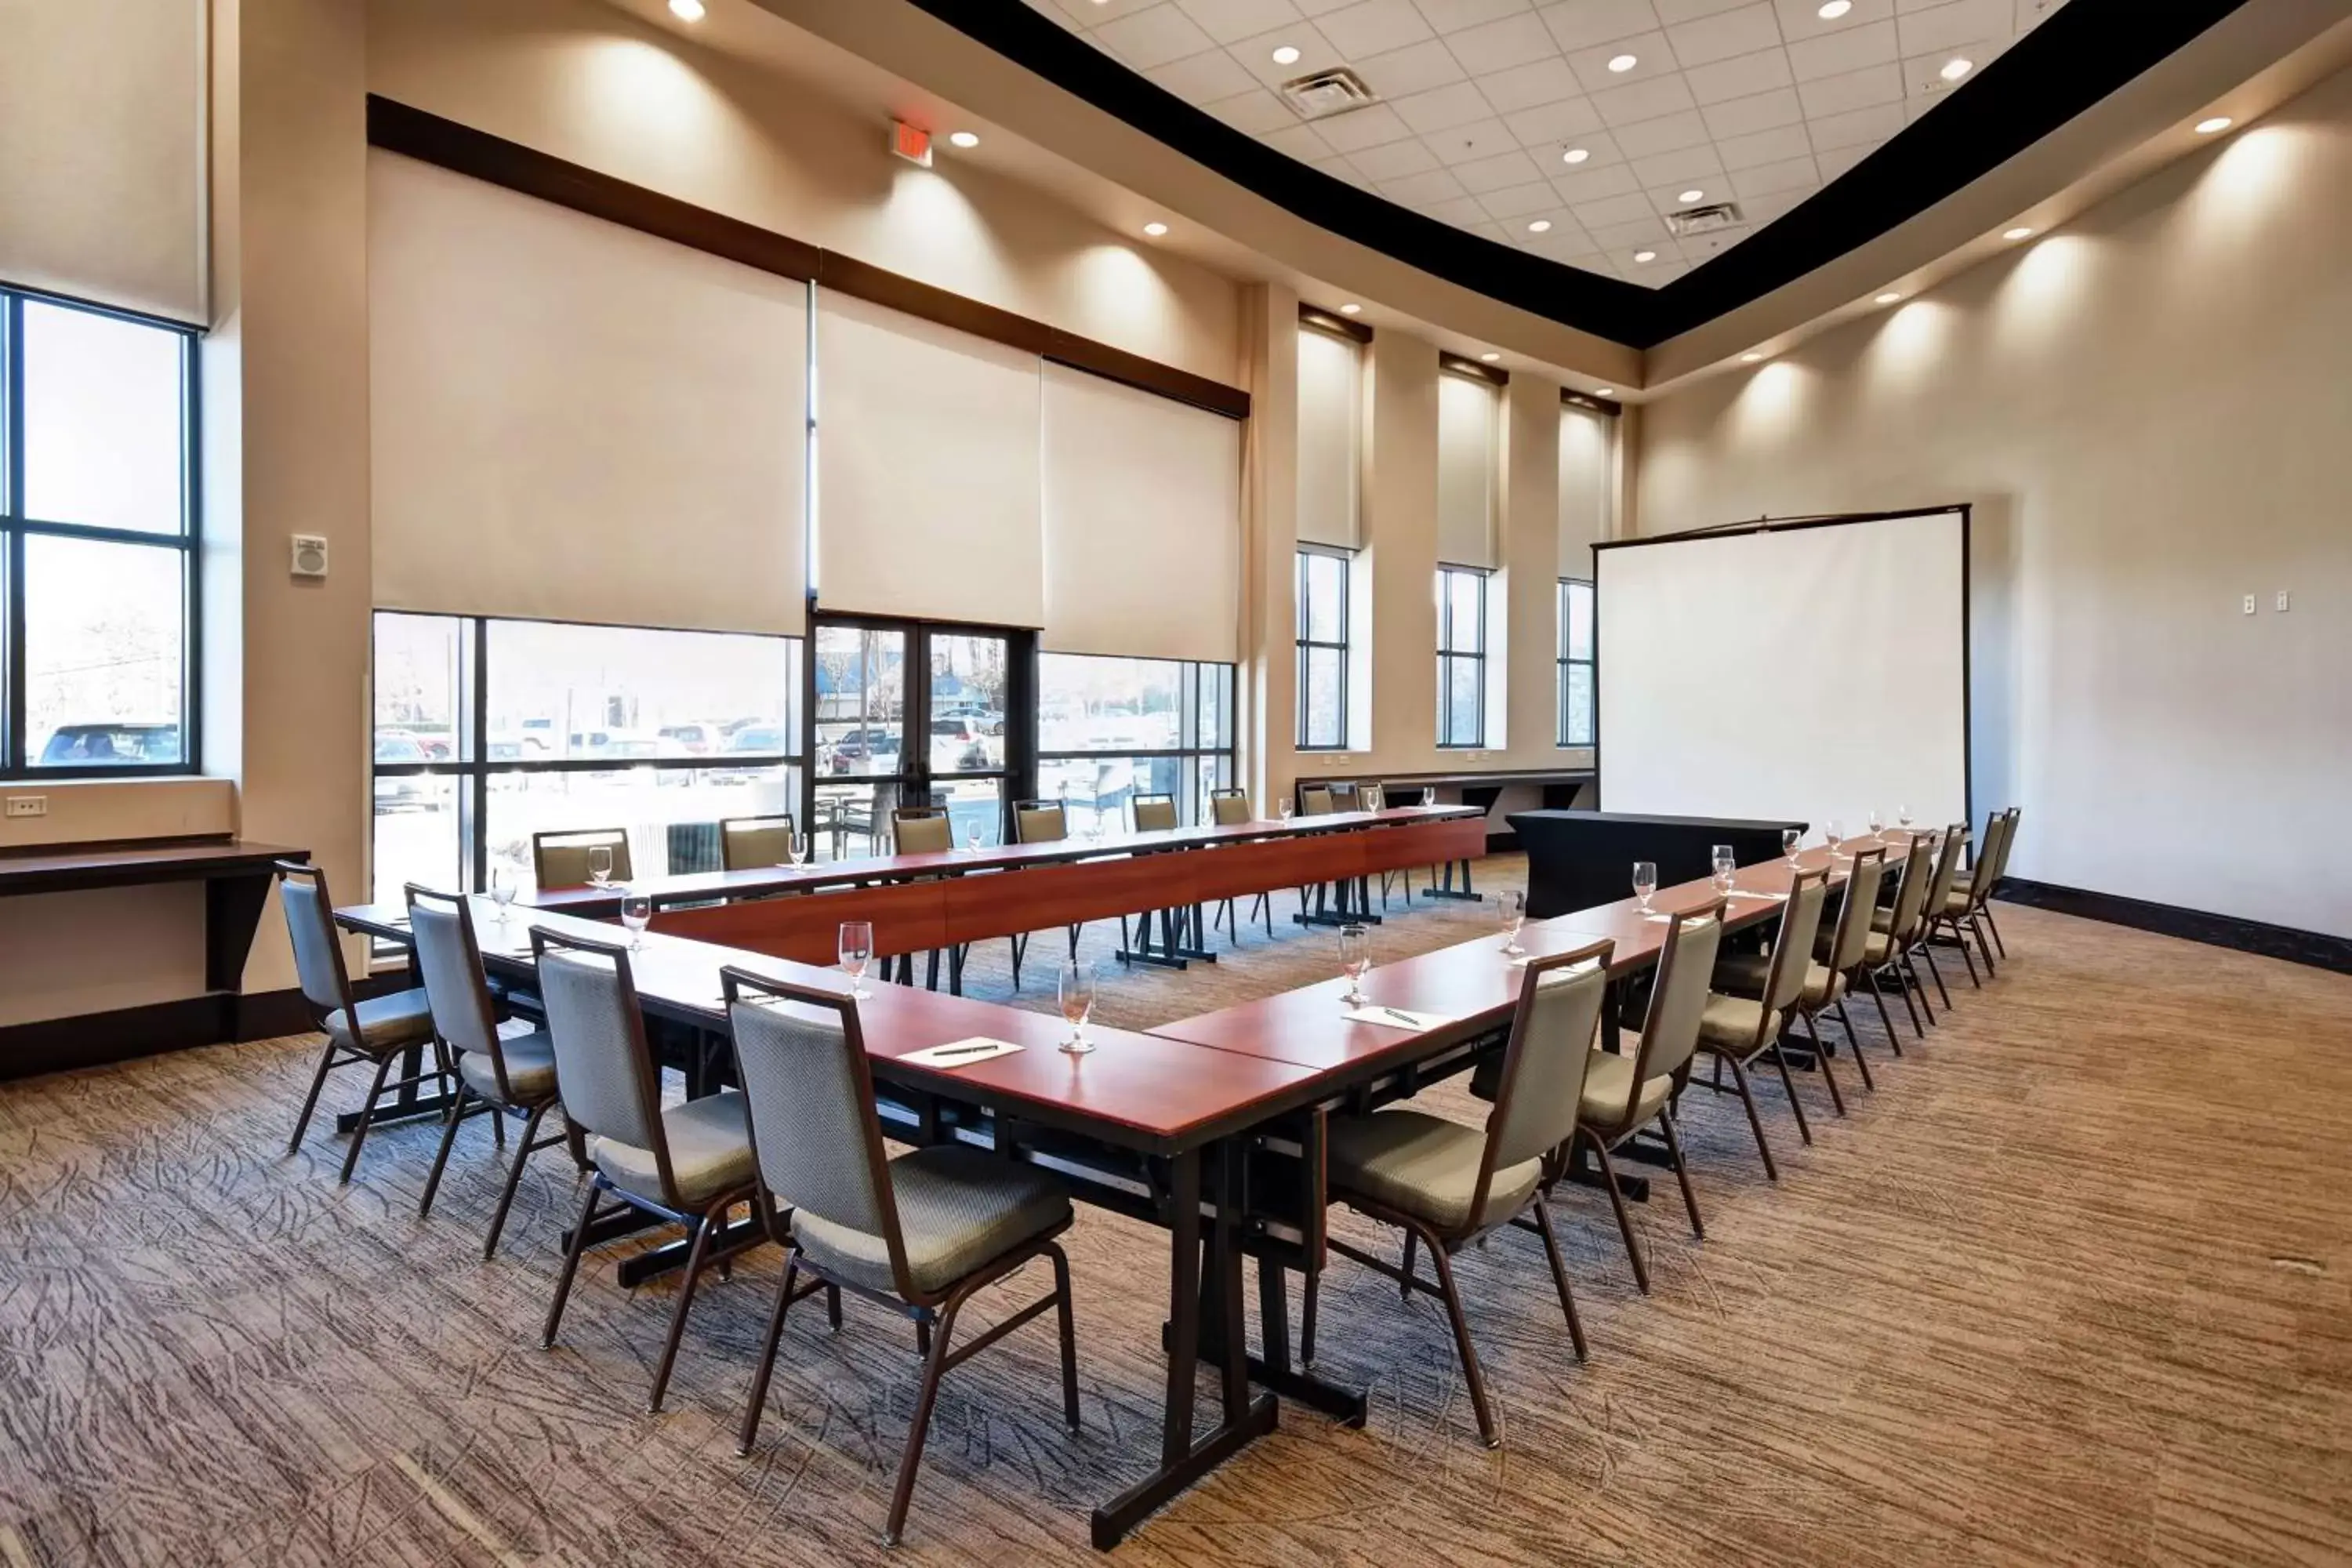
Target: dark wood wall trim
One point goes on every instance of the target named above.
(95, 1039)
(2295, 946)
(1337, 326)
(1455, 364)
(1575, 399)
(430, 139)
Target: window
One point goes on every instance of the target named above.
(1111, 729)
(1322, 651)
(1461, 656)
(487, 731)
(98, 477)
(1575, 663)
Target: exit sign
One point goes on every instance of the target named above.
(911, 143)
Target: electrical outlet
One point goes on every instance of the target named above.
(28, 805)
(2249, 604)
(2281, 601)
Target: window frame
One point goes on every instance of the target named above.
(1189, 754)
(1302, 741)
(1449, 654)
(16, 527)
(1569, 662)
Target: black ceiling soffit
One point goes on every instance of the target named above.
(2070, 62)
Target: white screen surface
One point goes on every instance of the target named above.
(1812, 673)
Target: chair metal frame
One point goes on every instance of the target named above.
(1853, 910)
(1770, 1026)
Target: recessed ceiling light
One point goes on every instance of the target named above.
(1603, 390)
(1646, 257)
(1955, 68)
(2019, 233)
(1621, 64)
(1541, 226)
(1155, 229)
(1749, 359)
(1692, 196)
(1286, 56)
(685, 10)
(964, 139)
(1576, 155)
(2219, 123)
(1489, 359)
(1828, 13)
(1349, 308)
(1889, 299)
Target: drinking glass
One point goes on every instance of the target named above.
(502, 889)
(856, 953)
(1903, 815)
(971, 840)
(1355, 961)
(1515, 915)
(1645, 882)
(1878, 824)
(1429, 797)
(1286, 808)
(1725, 864)
(1789, 838)
(636, 913)
(1836, 836)
(1077, 986)
(600, 864)
(798, 849)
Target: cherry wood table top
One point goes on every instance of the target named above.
(64, 867)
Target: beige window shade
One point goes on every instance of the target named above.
(928, 491)
(103, 152)
(1330, 439)
(1143, 523)
(1587, 483)
(1467, 461)
(575, 421)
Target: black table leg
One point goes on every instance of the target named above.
(1446, 889)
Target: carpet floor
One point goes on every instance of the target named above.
(2070, 1287)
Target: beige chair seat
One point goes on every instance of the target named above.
(710, 1152)
(1424, 1166)
(1878, 948)
(387, 1022)
(1882, 921)
(530, 1069)
(1746, 974)
(1957, 902)
(960, 1209)
(1730, 1024)
(1608, 1081)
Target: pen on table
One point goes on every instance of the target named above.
(1402, 1017)
(964, 1050)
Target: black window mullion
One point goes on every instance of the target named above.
(12, 617)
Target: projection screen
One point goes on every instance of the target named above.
(1813, 671)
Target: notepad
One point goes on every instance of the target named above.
(1527, 958)
(1397, 1018)
(962, 1053)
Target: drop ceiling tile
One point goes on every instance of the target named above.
(1461, 211)
(1667, 133)
(1742, 75)
(1374, 26)
(1459, 104)
(1416, 67)
(1204, 77)
(1643, 100)
(1299, 142)
(1838, 53)
(1152, 36)
(1520, 201)
(1594, 185)
(1453, 15)
(1729, 33)
(1316, 53)
(1228, 21)
(1498, 45)
(1923, 74)
(1802, 18)
(1582, 23)
(1651, 59)
(1537, 82)
(1837, 161)
(1567, 242)
(1468, 143)
(1360, 129)
(1527, 237)
(2029, 12)
(1554, 124)
(1313, 8)
(1947, 26)
(1415, 190)
(1643, 232)
(1672, 11)
(1393, 160)
(1747, 115)
(1339, 169)
(1480, 175)
(1794, 173)
(1779, 203)
(1610, 213)
(1679, 170)
(1088, 15)
(1860, 126)
(1255, 111)
(1053, 13)
(1855, 90)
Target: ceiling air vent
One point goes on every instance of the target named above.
(1323, 94)
(1704, 219)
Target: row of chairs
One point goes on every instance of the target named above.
(1557, 1095)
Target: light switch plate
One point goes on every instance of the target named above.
(2249, 604)
(28, 805)
(2281, 601)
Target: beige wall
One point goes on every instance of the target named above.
(2150, 410)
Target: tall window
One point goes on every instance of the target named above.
(487, 731)
(1322, 651)
(1575, 663)
(1111, 729)
(1461, 656)
(97, 508)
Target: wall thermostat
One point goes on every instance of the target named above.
(309, 556)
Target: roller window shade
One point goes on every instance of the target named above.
(1587, 458)
(1142, 523)
(1466, 466)
(103, 152)
(929, 489)
(1330, 439)
(575, 421)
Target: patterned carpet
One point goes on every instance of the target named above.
(2070, 1287)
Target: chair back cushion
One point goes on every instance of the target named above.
(1314, 801)
(1911, 896)
(1041, 824)
(813, 1124)
(602, 1068)
(1948, 866)
(1679, 999)
(560, 859)
(1792, 949)
(1154, 813)
(450, 961)
(317, 956)
(1229, 810)
(1543, 1066)
(927, 833)
(749, 842)
(1861, 885)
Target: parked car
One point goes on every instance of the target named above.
(110, 745)
(698, 739)
(770, 739)
(866, 751)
